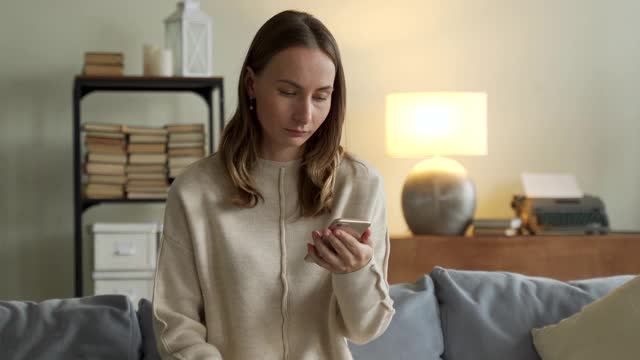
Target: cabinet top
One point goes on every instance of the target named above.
(515, 238)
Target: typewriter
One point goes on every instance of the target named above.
(547, 216)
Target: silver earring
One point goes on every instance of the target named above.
(251, 100)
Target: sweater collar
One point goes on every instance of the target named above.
(280, 164)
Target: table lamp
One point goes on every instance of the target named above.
(438, 196)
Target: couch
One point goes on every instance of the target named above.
(477, 315)
(447, 314)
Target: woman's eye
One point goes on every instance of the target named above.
(287, 93)
(320, 98)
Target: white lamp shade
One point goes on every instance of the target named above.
(436, 123)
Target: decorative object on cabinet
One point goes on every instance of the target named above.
(103, 64)
(553, 203)
(438, 196)
(188, 36)
(84, 85)
(156, 61)
(496, 226)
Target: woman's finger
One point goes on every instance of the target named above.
(313, 255)
(349, 230)
(343, 252)
(366, 238)
(348, 241)
(327, 254)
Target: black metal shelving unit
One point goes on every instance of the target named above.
(85, 85)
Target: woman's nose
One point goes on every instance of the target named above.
(303, 111)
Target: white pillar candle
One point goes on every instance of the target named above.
(163, 62)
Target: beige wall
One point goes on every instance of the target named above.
(562, 79)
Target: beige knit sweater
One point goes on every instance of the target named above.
(232, 282)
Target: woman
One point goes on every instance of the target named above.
(247, 268)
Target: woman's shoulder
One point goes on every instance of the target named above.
(206, 173)
(357, 169)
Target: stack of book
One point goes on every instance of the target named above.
(106, 160)
(503, 227)
(186, 146)
(103, 64)
(146, 169)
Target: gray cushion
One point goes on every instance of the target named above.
(489, 315)
(414, 332)
(149, 347)
(95, 327)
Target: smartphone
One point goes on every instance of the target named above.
(360, 226)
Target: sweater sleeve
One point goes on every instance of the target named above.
(178, 309)
(365, 308)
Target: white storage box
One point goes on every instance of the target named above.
(135, 284)
(125, 246)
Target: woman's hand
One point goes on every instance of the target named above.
(339, 250)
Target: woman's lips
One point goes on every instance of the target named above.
(295, 133)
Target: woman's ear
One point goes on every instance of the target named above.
(250, 83)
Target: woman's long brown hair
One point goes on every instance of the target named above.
(322, 152)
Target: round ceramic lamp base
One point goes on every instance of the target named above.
(438, 198)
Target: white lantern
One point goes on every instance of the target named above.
(188, 35)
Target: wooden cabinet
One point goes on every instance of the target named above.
(561, 257)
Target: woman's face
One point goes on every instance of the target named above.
(292, 99)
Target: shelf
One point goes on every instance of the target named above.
(87, 203)
(84, 85)
(200, 85)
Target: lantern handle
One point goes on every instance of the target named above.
(190, 4)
